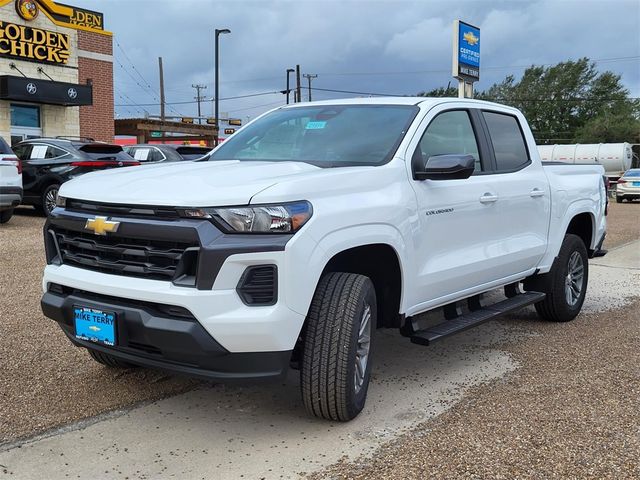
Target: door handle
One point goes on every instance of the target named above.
(488, 198)
(536, 192)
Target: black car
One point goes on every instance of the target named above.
(49, 162)
(147, 153)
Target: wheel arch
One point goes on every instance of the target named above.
(381, 263)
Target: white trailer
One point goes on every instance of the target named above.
(614, 157)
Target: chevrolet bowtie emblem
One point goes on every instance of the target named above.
(101, 226)
(470, 38)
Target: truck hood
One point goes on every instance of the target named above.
(187, 184)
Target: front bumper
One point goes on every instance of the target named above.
(211, 296)
(165, 337)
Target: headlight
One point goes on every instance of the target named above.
(283, 218)
(61, 201)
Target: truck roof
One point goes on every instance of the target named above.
(395, 101)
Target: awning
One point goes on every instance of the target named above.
(36, 90)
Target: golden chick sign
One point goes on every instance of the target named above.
(33, 44)
(27, 9)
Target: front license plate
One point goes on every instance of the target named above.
(635, 184)
(95, 325)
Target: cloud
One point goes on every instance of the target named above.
(338, 40)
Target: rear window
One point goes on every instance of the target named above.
(508, 143)
(632, 173)
(104, 152)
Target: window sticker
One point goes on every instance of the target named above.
(141, 154)
(315, 125)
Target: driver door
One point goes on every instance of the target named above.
(457, 237)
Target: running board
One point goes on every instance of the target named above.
(475, 318)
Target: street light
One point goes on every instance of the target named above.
(289, 70)
(218, 33)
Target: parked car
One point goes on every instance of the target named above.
(49, 162)
(10, 181)
(628, 186)
(148, 153)
(311, 227)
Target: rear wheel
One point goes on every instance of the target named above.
(618, 199)
(336, 363)
(5, 215)
(566, 283)
(49, 198)
(109, 360)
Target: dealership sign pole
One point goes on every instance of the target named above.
(466, 57)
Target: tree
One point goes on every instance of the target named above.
(569, 102)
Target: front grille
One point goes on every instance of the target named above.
(85, 206)
(135, 257)
(259, 285)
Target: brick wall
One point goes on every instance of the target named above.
(95, 42)
(96, 120)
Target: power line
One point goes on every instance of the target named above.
(193, 101)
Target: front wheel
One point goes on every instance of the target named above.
(109, 360)
(566, 283)
(49, 199)
(336, 362)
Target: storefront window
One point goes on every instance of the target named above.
(25, 116)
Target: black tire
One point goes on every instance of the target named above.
(618, 199)
(328, 374)
(49, 195)
(557, 307)
(5, 215)
(109, 360)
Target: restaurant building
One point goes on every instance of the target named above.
(56, 72)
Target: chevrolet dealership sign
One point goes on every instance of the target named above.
(29, 43)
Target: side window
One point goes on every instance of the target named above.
(449, 133)
(508, 143)
(55, 152)
(156, 155)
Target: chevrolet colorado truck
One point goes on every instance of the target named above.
(312, 226)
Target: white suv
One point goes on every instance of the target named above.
(10, 181)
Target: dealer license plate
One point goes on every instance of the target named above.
(635, 184)
(95, 325)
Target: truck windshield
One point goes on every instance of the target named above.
(323, 135)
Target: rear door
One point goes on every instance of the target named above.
(523, 205)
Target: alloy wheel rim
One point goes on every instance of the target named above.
(362, 348)
(574, 281)
(50, 200)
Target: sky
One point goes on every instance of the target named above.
(388, 47)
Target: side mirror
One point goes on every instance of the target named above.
(447, 167)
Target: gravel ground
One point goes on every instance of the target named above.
(41, 386)
(571, 411)
(623, 223)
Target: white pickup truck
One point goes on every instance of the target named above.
(315, 224)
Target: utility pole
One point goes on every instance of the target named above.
(199, 98)
(161, 89)
(309, 76)
(298, 88)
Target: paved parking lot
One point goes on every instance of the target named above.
(535, 396)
